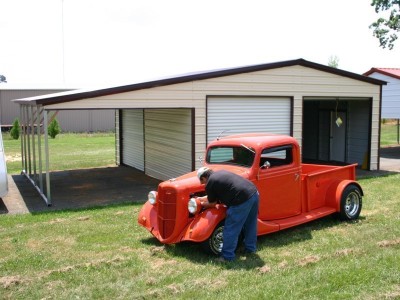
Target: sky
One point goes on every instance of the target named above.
(94, 43)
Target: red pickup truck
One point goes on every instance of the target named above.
(291, 193)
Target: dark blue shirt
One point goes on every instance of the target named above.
(229, 188)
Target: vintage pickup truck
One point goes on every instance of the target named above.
(291, 193)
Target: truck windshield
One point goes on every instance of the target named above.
(238, 155)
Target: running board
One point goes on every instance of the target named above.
(305, 217)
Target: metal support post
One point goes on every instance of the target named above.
(21, 118)
(39, 136)
(33, 143)
(46, 149)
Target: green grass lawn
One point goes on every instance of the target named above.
(67, 151)
(102, 253)
(389, 133)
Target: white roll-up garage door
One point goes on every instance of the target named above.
(168, 142)
(247, 114)
(132, 138)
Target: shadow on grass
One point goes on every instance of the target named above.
(300, 233)
(195, 253)
(296, 235)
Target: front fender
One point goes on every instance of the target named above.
(204, 224)
(335, 191)
(148, 219)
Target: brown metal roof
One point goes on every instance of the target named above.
(83, 94)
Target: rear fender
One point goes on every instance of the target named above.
(335, 191)
(204, 224)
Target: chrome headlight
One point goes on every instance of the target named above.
(192, 205)
(152, 197)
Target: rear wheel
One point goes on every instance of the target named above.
(214, 243)
(350, 203)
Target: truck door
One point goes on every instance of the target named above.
(279, 183)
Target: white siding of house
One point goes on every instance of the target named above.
(296, 82)
(390, 96)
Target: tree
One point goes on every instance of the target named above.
(333, 62)
(386, 29)
(15, 130)
(54, 128)
(3, 79)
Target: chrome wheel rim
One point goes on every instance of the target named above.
(217, 239)
(352, 204)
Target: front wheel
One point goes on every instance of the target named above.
(214, 243)
(350, 203)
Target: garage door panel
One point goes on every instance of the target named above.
(247, 114)
(168, 142)
(133, 140)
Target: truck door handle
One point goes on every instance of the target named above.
(296, 176)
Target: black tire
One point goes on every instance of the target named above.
(213, 244)
(350, 203)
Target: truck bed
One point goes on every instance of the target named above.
(317, 179)
(314, 170)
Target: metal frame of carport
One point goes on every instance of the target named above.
(34, 120)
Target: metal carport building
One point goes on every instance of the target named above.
(163, 126)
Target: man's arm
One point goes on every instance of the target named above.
(204, 202)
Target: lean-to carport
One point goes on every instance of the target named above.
(34, 121)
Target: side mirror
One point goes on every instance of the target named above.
(266, 165)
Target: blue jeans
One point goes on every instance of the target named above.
(243, 216)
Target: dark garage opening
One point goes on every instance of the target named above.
(336, 131)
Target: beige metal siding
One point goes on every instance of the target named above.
(168, 144)
(101, 120)
(233, 115)
(9, 110)
(296, 82)
(70, 120)
(86, 120)
(133, 138)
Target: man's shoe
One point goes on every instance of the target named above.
(221, 260)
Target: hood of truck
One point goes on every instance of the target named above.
(191, 179)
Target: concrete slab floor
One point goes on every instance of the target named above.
(76, 189)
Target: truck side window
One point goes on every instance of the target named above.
(277, 156)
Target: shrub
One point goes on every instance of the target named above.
(54, 128)
(15, 130)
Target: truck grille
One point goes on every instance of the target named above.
(166, 212)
